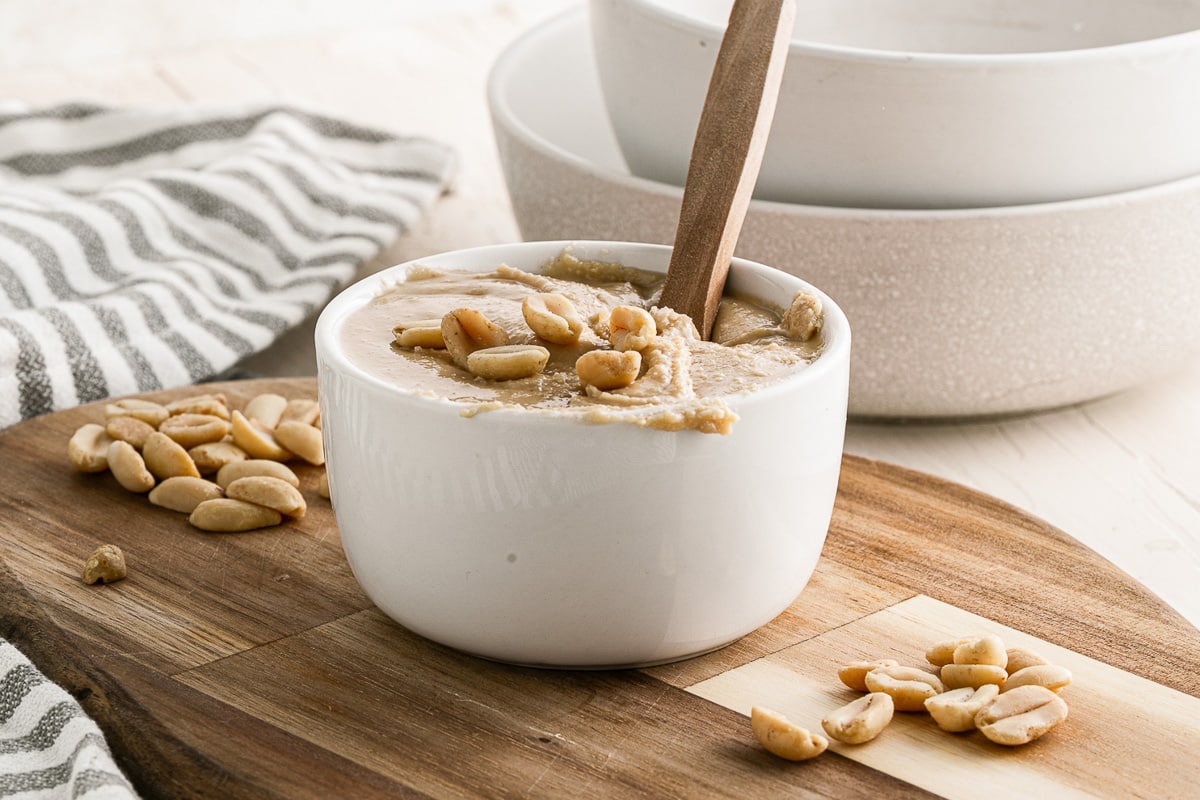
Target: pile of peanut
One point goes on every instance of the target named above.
(1010, 695)
(223, 467)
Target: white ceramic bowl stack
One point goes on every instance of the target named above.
(1003, 196)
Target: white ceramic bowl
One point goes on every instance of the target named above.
(926, 103)
(955, 313)
(537, 539)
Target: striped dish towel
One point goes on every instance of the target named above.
(48, 747)
(146, 249)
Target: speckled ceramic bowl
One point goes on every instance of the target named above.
(955, 313)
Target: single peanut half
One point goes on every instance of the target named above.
(227, 515)
(272, 493)
(183, 493)
(88, 448)
(783, 738)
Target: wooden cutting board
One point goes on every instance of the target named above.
(251, 665)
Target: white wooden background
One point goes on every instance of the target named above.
(1121, 474)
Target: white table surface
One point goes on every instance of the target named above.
(1121, 474)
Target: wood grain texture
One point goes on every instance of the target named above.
(726, 155)
(250, 665)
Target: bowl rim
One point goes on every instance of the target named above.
(834, 355)
(501, 82)
(1139, 48)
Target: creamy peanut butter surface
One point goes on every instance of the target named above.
(681, 382)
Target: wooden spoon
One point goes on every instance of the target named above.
(726, 155)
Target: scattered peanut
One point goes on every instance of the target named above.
(466, 330)
(255, 466)
(211, 456)
(986, 649)
(956, 676)
(301, 439)
(256, 439)
(1051, 676)
(301, 410)
(1021, 715)
(227, 515)
(1020, 657)
(268, 492)
(782, 738)
(214, 405)
(166, 458)
(552, 317)
(942, 653)
(323, 485)
(854, 674)
(421, 333)
(129, 429)
(267, 408)
(954, 711)
(183, 493)
(192, 429)
(909, 687)
(860, 720)
(129, 468)
(106, 564)
(151, 413)
(88, 448)
(508, 362)
(609, 369)
(631, 328)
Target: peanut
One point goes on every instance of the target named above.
(152, 414)
(631, 328)
(192, 429)
(105, 565)
(954, 711)
(273, 493)
(211, 456)
(552, 317)
(214, 405)
(420, 333)
(183, 493)
(301, 410)
(782, 738)
(1021, 715)
(129, 468)
(323, 485)
(267, 408)
(302, 440)
(860, 720)
(854, 674)
(1020, 657)
(466, 330)
(166, 458)
(228, 515)
(804, 318)
(256, 439)
(942, 653)
(609, 369)
(956, 676)
(508, 362)
(909, 687)
(129, 429)
(255, 466)
(986, 649)
(88, 448)
(1051, 676)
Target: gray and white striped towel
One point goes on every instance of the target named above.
(48, 747)
(145, 249)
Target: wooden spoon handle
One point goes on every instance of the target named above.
(726, 155)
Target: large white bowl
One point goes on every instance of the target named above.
(926, 103)
(539, 539)
(955, 313)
